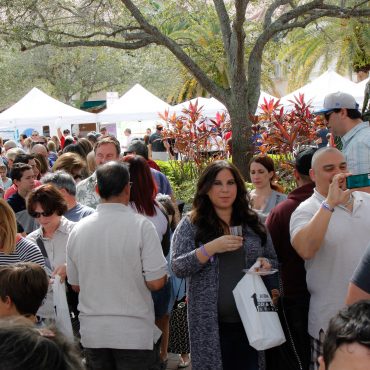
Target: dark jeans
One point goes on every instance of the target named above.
(236, 352)
(123, 359)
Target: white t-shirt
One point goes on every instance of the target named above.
(159, 220)
(330, 270)
(110, 255)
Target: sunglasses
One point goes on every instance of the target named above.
(327, 115)
(35, 214)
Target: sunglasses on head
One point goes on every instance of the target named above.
(35, 214)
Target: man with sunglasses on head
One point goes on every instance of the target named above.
(344, 119)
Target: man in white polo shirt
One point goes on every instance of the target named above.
(330, 231)
(115, 259)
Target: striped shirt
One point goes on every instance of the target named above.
(25, 251)
(356, 148)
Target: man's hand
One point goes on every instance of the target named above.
(338, 194)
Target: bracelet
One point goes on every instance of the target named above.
(204, 252)
(326, 206)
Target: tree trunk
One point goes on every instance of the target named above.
(241, 142)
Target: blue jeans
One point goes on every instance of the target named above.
(236, 352)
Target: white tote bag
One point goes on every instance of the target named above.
(260, 319)
(62, 317)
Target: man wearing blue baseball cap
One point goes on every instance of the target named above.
(344, 119)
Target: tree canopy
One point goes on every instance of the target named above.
(129, 25)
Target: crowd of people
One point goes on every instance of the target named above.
(99, 217)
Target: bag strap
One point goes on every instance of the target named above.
(178, 290)
(41, 245)
(166, 239)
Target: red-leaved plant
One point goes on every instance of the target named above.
(282, 133)
(188, 134)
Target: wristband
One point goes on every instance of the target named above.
(326, 206)
(204, 252)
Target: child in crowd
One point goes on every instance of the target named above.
(7, 182)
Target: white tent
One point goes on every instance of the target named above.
(38, 108)
(138, 104)
(329, 82)
(211, 105)
(361, 88)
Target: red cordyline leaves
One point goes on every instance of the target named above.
(285, 131)
(189, 132)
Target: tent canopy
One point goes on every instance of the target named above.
(361, 86)
(138, 104)
(329, 82)
(38, 108)
(211, 105)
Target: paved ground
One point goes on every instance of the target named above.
(173, 361)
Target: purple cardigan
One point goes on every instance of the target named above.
(203, 291)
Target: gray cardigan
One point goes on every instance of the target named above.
(203, 290)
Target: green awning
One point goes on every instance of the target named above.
(93, 105)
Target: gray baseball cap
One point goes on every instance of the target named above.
(338, 100)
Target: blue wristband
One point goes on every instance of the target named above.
(204, 252)
(326, 206)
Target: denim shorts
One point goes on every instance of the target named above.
(161, 299)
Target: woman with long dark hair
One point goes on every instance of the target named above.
(213, 260)
(267, 193)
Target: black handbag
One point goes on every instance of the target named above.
(179, 332)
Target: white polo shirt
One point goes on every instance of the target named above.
(330, 270)
(110, 255)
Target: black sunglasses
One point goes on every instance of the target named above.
(327, 115)
(35, 214)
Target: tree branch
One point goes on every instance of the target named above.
(175, 49)
(224, 19)
(299, 16)
(89, 43)
(237, 48)
(270, 11)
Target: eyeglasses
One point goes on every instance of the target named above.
(35, 214)
(327, 115)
